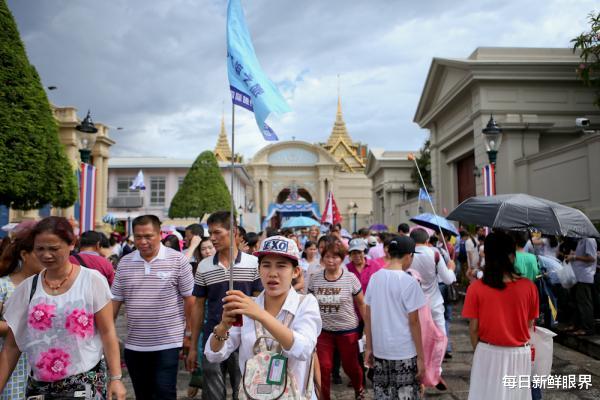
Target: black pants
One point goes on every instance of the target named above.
(596, 293)
(584, 317)
(153, 373)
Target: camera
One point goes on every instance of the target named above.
(582, 122)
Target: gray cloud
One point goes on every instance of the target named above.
(158, 68)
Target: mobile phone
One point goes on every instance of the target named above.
(239, 320)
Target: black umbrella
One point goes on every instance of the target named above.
(523, 212)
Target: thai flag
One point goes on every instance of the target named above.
(87, 198)
(331, 214)
(489, 180)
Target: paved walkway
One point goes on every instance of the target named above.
(456, 371)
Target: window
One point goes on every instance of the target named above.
(180, 181)
(123, 183)
(157, 190)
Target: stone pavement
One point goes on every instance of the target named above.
(456, 371)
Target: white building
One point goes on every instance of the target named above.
(535, 96)
(162, 177)
(394, 194)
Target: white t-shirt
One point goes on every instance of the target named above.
(424, 263)
(472, 252)
(391, 296)
(58, 333)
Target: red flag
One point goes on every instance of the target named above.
(331, 214)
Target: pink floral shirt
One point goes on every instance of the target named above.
(57, 332)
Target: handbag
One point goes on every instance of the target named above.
(452, 294)
(259, 382)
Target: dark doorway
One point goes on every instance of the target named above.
(466, 179)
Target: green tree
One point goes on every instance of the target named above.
(203, 190)
(588, 43)
(424, 163)
(34, 169)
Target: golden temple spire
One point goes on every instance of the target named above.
(348, 154)
(222, 150)
(339, 131)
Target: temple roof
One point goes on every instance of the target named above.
(341, 146)
(339, 131)
(222, 150)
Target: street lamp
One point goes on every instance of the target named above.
(355, 211)
(493, 137)
(87, 137)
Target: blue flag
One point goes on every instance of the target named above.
(250, 87)
(423, 195)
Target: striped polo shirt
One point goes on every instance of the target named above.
(212, 282)
(153, 293)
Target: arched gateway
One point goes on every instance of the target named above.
(292, 178)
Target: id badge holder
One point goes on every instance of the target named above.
(277, 368)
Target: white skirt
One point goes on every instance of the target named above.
(500, 373)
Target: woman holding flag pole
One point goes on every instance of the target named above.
(251, 89)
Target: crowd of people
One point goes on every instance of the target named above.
(313, 300)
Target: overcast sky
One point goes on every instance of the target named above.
(158, 68)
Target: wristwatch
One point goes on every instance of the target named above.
(115, 378)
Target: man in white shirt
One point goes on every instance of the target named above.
(472, 257)
(432, 267)
(584, 267)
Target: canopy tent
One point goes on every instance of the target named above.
(289, 210)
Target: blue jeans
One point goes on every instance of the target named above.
(153, 373)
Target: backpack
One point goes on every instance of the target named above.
(255, 384)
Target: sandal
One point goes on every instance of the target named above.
(192, 391)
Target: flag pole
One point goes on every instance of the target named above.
(412, 157)
(232, 225)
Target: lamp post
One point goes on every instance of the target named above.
(492, 135)
(355, 212)
(87, 137)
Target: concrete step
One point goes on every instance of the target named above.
(588, 345)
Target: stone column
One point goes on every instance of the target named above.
(100, 191)
(322, 194)
(257, 204)
(266, 195)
